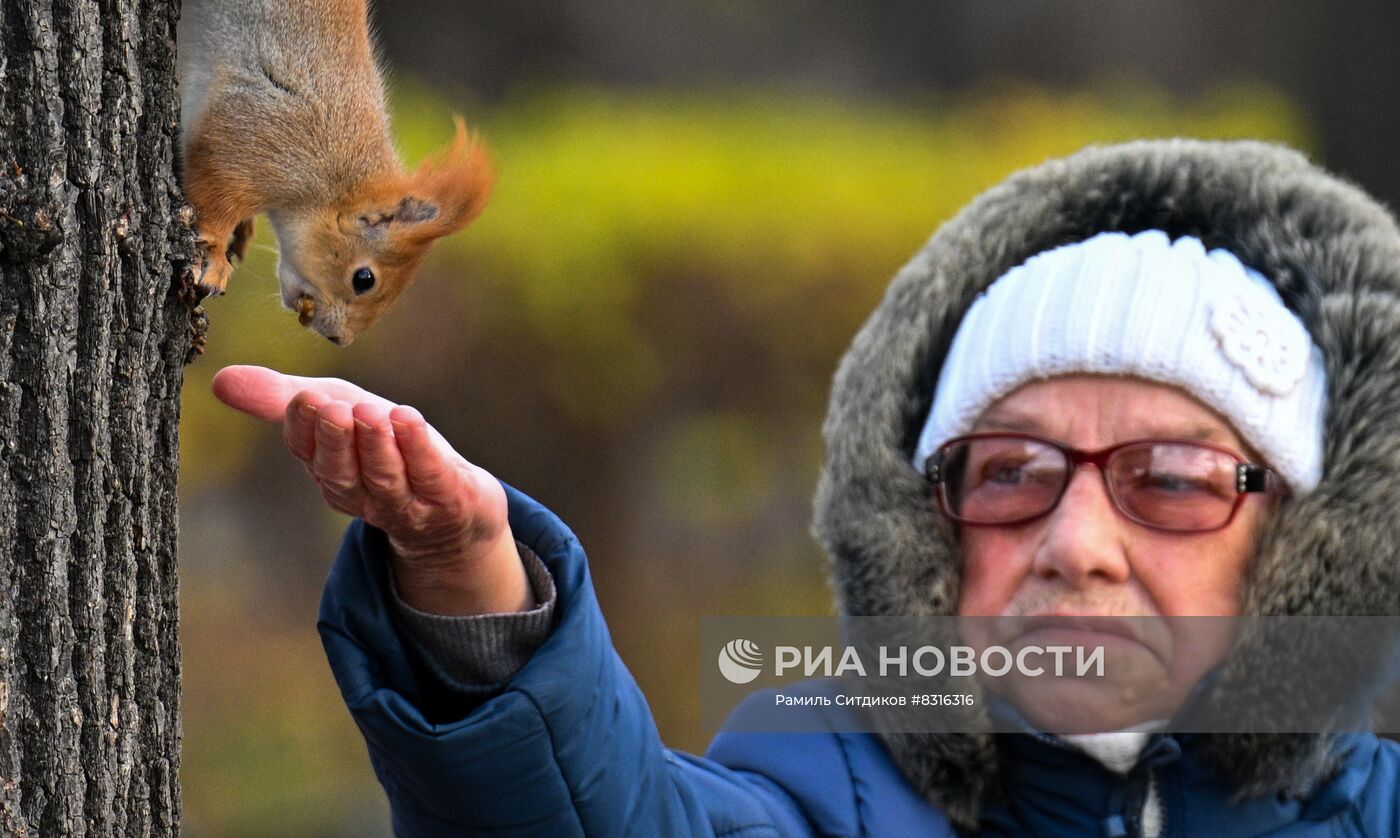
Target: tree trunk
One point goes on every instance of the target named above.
(95, 249)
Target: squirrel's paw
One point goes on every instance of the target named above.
(242, 237)
(214, 268)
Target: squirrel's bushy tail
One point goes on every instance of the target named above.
(457, 180)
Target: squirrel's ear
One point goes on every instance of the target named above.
(373, 222)
(448, 190)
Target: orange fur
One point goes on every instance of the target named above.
(458, 179)
(284, 113)
(388, 227)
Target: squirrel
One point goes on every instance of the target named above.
(283, 112)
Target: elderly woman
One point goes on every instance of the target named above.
(1153, 380)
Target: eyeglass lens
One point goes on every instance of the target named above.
(1171, 485)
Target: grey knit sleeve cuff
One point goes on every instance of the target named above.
(474, 655)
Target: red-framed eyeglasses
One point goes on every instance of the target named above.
(1176, 485)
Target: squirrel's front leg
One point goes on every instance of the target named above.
(215, 267)
(242, 236)
(224, 204)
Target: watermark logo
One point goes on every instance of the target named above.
(1066, 674)
(740, 661)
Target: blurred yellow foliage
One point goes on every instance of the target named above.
(764, 196)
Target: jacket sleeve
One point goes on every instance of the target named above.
(568, 747)
(475, 655)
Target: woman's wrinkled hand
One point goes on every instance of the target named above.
(445, 518)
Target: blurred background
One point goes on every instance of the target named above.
(698, 205)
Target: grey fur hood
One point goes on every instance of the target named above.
(1334, 255)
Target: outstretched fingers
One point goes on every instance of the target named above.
(335, 464)
(431, 475)
(265, 393)
(299, 423)
(381, 464)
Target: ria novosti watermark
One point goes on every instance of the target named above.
(1059, 674)
(741, 661)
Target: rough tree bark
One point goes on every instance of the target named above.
(95, 245)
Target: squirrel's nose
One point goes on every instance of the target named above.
(335, 339)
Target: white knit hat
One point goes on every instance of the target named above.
(1147, 306)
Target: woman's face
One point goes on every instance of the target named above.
(1086, 559)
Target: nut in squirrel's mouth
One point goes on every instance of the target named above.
(306, 309)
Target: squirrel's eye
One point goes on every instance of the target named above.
(363, 280)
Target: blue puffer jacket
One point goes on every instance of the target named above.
(569, 748)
